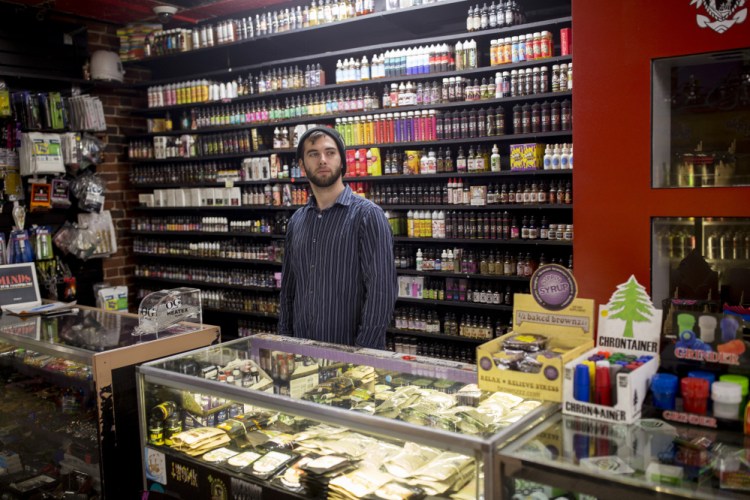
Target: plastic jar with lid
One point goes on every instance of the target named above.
(726, 397)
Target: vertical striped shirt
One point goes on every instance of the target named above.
(338, 279)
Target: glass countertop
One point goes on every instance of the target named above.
(630, 454)
(82, 329)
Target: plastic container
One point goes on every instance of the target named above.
(743, 382)
(727, 397)
(694, 395)
(664, 390)
(711, 377)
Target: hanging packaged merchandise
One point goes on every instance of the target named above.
(42, 239)
(71, 150)
(101, 224)
(41, 196)
(91, 150)
(60, 193)
(19, 247)
(79, 242)
(89, 190)
(40, 154)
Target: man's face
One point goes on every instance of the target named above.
(322, 161)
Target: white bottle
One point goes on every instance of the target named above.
(339, 71)
(547, 158)
(570, 157)
(410, 224)
(419, 259)
(564, 158)
(364, 69)
(556, 157)
(451, 264)
(495, 159)
(441, 224)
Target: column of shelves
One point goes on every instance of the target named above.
(496, 314)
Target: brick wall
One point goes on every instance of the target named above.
(118, 101)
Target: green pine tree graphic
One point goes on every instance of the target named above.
(630, 303)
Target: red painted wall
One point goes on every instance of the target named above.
(614, 43)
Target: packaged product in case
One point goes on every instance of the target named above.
(610, 381)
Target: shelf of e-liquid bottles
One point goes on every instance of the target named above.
(208, 284)
(361, 50)
(232, 234)
(330, 116)
(439, 336)
(467, 140)
(487, 241)
(443, 274)
(369, 178)
(167, 185)
(240, 313)
(370, 21)
(241, 208)
(456, 175)
(207, 259)
(151, 161)
(456, 303)
(515, 206)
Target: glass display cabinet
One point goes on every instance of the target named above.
(705, 260)
(278, 417)
(66, 381)
(572, 457)
(700, 105)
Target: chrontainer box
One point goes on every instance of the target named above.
(628, 324)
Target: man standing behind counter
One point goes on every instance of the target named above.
(339, 278)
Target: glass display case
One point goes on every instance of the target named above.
(700, 105)
(298, 418)
(701, 259)
(590, 459)
(66, 381)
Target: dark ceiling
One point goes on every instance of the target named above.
(121, 12)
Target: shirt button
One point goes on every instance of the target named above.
(320, 216)
(315, 240)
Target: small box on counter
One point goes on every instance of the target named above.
(550, 328)
(611, 381)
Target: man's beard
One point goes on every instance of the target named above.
(324, 183)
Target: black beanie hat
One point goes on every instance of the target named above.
(330, 132)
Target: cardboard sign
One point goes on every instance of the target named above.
(19, 286)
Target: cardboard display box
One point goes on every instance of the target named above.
(569, 331)
(628, 324)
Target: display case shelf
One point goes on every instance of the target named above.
(456, 303)
(232, 234)
(436, 336)
(207, 284)
(519, 242)
(207, 259)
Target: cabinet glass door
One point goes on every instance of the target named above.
(701, 259)
(700, 120)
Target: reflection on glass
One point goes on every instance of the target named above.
(701, 119)
(702, 259)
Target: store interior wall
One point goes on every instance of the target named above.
(56, 59)
(614, 44)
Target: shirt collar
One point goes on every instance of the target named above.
(345, 198)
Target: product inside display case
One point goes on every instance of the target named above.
(700, 107)
(705, 260)
(324, 423)
(680, 460)
(48, 421)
